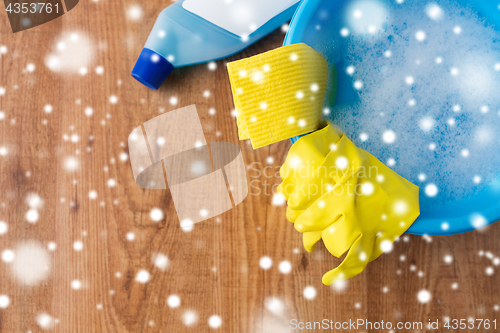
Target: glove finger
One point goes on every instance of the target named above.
(296, 169)
(382, 244)
(305, 156)
(311, 147)
(306, 185)
(353, 264)
(292, 215)
(310, 239)
(340, 236)
(286, 188)
(314, 187)
(326, 210)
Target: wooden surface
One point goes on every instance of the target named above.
(214, 269)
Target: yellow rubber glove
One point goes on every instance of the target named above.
(345, 196)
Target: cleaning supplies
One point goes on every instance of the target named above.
(196, 31)
(426, 79)
(335, 191)
(291, 78)
(345, 196)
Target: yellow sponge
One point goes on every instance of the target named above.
(278, 94)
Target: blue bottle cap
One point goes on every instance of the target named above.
(151, 69)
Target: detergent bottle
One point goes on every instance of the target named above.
(190, 32)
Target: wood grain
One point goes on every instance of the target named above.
(214, 269)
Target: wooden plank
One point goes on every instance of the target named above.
(214, 269)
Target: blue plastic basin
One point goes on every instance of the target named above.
(456, 217)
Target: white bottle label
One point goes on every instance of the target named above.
(240, 17)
